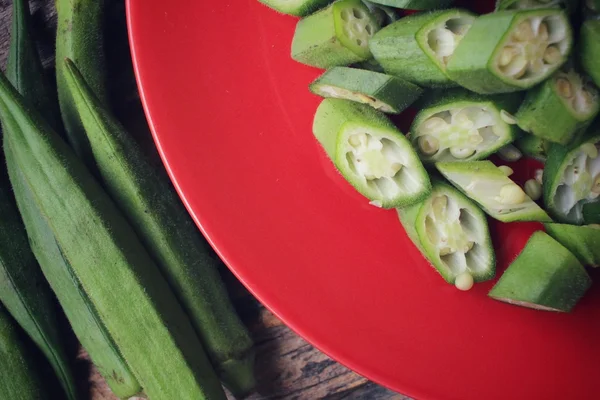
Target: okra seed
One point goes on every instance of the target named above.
(510, 153)
(441, 41)
(354, 141)
(508, 118)
(462, 152)
(517, 67)
(508, 53)
(444, 251)
(359, 14)
(429, 145)
(508, 171)
(590, 150)
(369, 29)
(439, 205)
(564, 87)
(396, 167)
(512, 194)
(533, 189)
(524, 32)
(539, 175)
(433, 125)
(468, 247)
(464, 281)
(552, 55)
(596, 185)
(543, 32)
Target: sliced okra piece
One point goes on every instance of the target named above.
(589, 49)
(496, 193)
(370, 152)
(460, 125)
(383, 92)
(370, 65)
(572, 179)
(299, 8)
(560, 107)
(533, 146)
(417, 48)
(452, 233)
(569, 5)
(384, 15)
(416, 4)
(544, 276)
(583, 241)
(336, 35)
(511, 50)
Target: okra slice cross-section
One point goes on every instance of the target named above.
(382, 92)
(417, 48)
(335, 36)
(370, 152)
(560, 107)
(299, 8)
(460, 125)
(545, 276)
(511, 50)
(572, 179)
(496, 193)
(452, 234)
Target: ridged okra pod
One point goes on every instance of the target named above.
(129, 293)
(589, 44)
(417, 48)
(20, 378)
(572, 178)
(337, 35)
(583, 241)
(383, 92)
(544, 276)
(299, 8)
(557, 109)
(452, 233)
(79, 37)
(461, 125)
(496, 193)
(511, 50)
(370, 152)
(173, 240)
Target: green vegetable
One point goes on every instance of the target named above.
(509, 153)
(460, 125)
(383, 15)
(415, 4)
(533, 146)
(371, 153)
(497, 194)
(591, 213)
(19, 377)
(509, 51)
(382, 92)
(569, 5)
(298, 8)
(545, 276)
(572, 178)
(452, 233)
(81, 313)
(79, 37)
(582, 241)
(560, 107)
(334, 36)
(156, 213)
(369, 65)
(589, 45)
(26, 294)
(128, 291)
(417, 48)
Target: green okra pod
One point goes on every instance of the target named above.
(337, 35)
(164, 226)
(582, 241)
(559, 107)
(415, 4)
(20, 378)
(589, 48)
(382, 92)
(370, 152)
(533, 146)
(79, 37)
(545, 276)
(460, 125)
(511, 50)
(299, 8)
(452, 233)
(496, 193)
(129, 293)
(417, 48)
(572, 177)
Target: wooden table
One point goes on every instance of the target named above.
(287, 366)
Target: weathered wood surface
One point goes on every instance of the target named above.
(287, 366)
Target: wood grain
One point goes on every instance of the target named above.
(287, 366)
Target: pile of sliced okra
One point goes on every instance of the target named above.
(522, 80)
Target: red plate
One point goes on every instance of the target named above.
(232, 115)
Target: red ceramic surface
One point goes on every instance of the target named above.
(231, 115)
